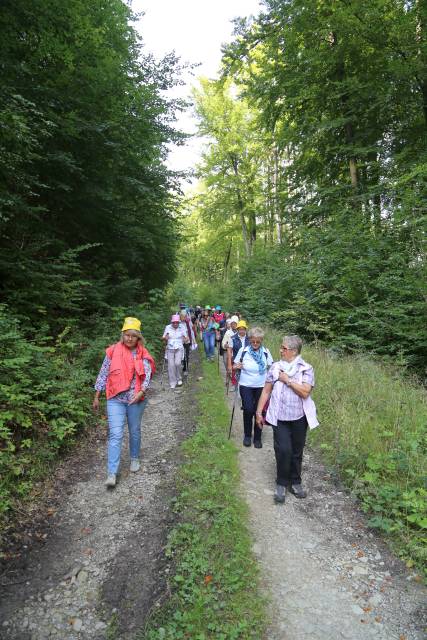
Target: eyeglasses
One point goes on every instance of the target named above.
(283, 347)
(253, 341)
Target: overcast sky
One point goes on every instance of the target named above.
(195, 30)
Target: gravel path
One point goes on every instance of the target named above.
(96, 567)
(328, 576)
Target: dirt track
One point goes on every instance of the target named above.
(94, 565)
(327, 575)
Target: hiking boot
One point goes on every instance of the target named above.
(135, 465)
(111, 480)
(247, 441)
(257, 444)
(280, 493)
(298, 491)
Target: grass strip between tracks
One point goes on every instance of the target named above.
(214, 589)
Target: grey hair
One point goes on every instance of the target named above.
(256, 332)
(138, 334)
(293, 342)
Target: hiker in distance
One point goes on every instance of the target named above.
(252, 361)
(227, 341)
(191, 344)
(208, 331)
(175, 336)
(238, 340)
(125, 376)
(290, 410)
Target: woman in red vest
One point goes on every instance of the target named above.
(125, 376)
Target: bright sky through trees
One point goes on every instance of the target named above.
(195, 30)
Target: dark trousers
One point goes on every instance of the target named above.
(289, 441)
(187, 348)
(250, 397)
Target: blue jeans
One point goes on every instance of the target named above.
(118, 412)
(209, 343)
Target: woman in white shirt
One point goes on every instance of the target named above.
(253, 362)
(175, 336)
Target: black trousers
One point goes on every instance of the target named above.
(289, 442)
(250, 397)
(187, 348)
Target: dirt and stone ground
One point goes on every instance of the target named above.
(327, 575)
(92, 566)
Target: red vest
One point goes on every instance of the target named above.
(123, 366)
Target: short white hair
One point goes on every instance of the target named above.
(256, 332)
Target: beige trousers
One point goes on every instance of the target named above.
(175, 358)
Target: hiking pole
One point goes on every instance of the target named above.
(227, 382)
(217, 348)
(187, 360)
(163, 367)
(234, 406)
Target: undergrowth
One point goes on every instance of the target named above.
(373, 432)
(215, 582)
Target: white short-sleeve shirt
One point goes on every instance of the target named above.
(249, 374)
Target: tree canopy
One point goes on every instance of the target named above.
(315, 172)
(86, 215)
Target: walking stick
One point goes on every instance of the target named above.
(163, 367)
(227, 382)
(217, 348)
(232, 411)
(187, 360)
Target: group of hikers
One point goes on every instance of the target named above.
(277, 394)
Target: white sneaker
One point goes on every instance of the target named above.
(111, 480)
(179, 383)
(173, 386)
(135, 464)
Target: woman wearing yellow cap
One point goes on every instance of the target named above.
(238, 339)
(125, 376)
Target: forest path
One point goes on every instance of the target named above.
(327, 575)
(100, 567)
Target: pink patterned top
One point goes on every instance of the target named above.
(285, 404)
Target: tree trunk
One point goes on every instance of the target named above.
(227, 259)
(241, 209)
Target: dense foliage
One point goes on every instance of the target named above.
(85, 217)
(311, 209)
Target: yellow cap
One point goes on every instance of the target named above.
(131, 323)
(240, 324)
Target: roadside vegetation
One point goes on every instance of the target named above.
(214, 585)
(373, 433)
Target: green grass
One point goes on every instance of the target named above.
(215, 583)
(374, 433)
